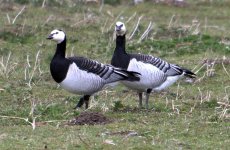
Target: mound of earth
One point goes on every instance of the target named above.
(90, 118)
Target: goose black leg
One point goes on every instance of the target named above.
(140, 100)
(147, 98)
(84, 99)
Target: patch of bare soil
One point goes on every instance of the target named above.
(90, 118)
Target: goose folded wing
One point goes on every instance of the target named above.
(106, 72)
(167, 68)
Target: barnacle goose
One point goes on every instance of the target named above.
(80, 75)
(156, 74)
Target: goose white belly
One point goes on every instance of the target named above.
(81, 82)
(151, 77)
(169, 81)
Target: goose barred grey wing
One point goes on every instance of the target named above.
(106, 72)
(167, 68)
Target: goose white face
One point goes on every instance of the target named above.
(57, 35)
(120, 28)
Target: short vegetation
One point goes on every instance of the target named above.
(35, 112)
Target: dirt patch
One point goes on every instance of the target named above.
(90, 118)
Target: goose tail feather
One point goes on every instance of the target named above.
(133, 76)
(188, 73)
(128, 75)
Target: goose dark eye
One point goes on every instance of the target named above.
(56, 33)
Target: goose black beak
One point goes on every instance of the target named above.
(50, 37)
(118, 29)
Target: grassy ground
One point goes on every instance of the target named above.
(186, 116)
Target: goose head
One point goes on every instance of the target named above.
(120, 28)
(57, 35)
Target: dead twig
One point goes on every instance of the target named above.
(8, 18)
(102, 5)
(30, 74)
(135, 28)
(20, 12)
(174, 107)
(224, 104)
(130, 18)
(201, 95)
(20, 118)
(6, 67)
(170, 22)
(149, 28)
(43, 3)
(224, 58)
(31, 114)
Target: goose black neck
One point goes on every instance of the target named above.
(59, 64)
(61, 48)
(120, 57)
(120, 44)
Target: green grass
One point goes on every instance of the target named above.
(185, 116)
